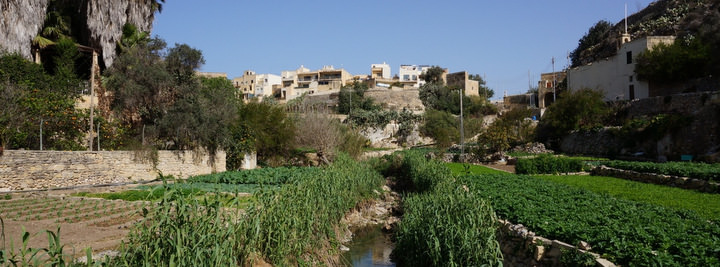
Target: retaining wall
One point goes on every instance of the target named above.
(661, 179)
(520, 247)
(32, 169)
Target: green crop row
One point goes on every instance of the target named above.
(705, 204)
(548, 164)
(275, 176)
(443, 224)
(626, 232)
(704, 171)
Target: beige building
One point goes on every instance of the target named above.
(301, 81)
(246, 84)
(615, 76)
(547, 87)
(462, 80)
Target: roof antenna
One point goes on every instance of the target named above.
(626, 35)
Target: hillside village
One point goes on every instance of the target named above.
(116, 137)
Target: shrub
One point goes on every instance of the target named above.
(548, 164)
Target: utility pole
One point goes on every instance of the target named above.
(462, 130)
(92, 94)
(554, 81)
(41, 123)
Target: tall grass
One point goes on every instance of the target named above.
(443, 224)
(287, 225)
(181, 231)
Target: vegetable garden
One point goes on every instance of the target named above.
(290, 216)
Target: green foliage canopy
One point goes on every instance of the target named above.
(577, 110)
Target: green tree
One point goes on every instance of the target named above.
(510, 129)
(271, 129)
(42, 98)
(141, 86)
(578, 110)
(444, 127)
(683, 60)
(596, 34)
(182, 61)
(131, 37)
(433, 75)
(352, 97)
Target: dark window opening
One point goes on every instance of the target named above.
(629, 57)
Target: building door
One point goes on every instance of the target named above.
(632, 92)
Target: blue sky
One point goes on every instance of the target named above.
(504, 40)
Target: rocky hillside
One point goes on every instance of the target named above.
(22, 20)
(662, 17)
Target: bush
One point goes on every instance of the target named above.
(548, 164)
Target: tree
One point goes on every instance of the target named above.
(352, 97)
(320, 133)
(444, 127)
(270, 127)
(683, 60)
(596, 34)
(131, 37)
(439, 97)
(45, 99)
(510, 129)
(12, 115)
(483, 90)
(579, 110)
(433, 75)
(141, 86)
(182, 61)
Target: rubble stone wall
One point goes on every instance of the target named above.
(520, 247)
(32, 169)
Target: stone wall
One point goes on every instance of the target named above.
(521, 247)
(661, 179)
(690, 103)
(699, 136)
(32, 169)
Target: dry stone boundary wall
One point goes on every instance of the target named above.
(32, 169)
(661, 179)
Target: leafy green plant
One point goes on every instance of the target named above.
(627, 232)
(549, 164)
(704, 204)
(698, 170)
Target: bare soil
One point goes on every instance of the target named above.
(84, 222)
(501, 167)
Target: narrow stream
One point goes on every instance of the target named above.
(370, 247)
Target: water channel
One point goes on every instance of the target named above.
(370, 246)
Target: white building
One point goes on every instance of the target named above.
(410, 74)
(265, 83)
(380, 71)
(615, 76)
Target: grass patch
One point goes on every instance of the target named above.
(460, 168)
(705, 204)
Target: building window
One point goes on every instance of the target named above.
(631, 78)
(414, 77)
(629, 57)
(406, 77)
(632, 92)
